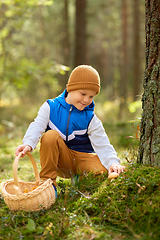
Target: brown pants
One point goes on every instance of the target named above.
(57, 159)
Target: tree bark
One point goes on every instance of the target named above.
(149, 149)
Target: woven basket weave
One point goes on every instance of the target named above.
(13, 191)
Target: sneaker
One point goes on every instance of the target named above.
(55, 191)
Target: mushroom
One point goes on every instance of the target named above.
(113, 175)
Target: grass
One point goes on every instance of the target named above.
(95, 208)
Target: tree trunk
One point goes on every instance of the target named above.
(65, 44)
(149, 150)
(124, 62)
(66, 38)
(136, 50)
(124, 82)
(80, 34)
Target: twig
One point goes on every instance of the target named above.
(88, 197)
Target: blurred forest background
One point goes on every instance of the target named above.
(41, 41)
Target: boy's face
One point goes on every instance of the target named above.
(80, 98)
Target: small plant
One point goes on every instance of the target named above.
(136, 130)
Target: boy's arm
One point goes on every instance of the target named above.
(36, 128)
(101, 144)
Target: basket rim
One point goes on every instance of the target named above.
(21, 196)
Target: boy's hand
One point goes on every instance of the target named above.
(24, 149)
(116, 168)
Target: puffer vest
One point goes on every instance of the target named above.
(71, 123)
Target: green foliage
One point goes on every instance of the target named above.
(31, 226)
(134, 106)
(34, 30)
(25, 72)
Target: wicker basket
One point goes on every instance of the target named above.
(13, 191)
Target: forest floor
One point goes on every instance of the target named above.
(94, 208)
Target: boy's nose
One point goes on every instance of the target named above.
(86, 100)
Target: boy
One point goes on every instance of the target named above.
(74, 142)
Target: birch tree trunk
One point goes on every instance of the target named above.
(149, 150)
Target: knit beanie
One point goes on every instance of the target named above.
(84, 77)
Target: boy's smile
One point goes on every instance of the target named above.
(80, 98)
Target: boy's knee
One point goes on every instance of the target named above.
(50, 136)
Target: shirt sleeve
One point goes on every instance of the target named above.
(101, 144)
(36, 128)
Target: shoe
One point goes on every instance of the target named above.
(55, 191)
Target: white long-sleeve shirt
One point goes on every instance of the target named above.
(96, 133)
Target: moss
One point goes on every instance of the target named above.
(129, 205)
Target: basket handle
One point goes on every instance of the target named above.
(15, 167)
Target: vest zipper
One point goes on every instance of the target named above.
(70, 110)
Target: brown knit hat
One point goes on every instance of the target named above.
(84, 77)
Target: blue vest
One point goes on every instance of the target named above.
(71, 123)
